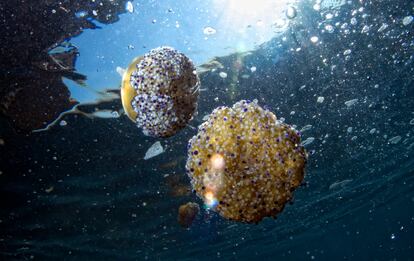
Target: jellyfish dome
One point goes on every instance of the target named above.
(244, 163)
(160, 91)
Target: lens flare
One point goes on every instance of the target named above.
(217, 162)
(210, 200)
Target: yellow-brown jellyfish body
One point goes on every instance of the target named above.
(187, 214)
(244, 163)
(160, 91)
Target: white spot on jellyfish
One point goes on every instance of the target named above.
(407, 20)
(223, 75)
(63, 123)
(209, 30)
(155, 150)
(253, 69)
(129, 7)
(351, 102)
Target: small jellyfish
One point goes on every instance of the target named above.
(244, 163)
(160, 91)
(187, 214)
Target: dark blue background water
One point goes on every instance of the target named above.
(107, 203)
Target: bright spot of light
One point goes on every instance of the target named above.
(210, 200)
(245, 24)
(241, 13)
(217, 162)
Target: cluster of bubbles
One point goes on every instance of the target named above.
(160, 91)
(243, 162)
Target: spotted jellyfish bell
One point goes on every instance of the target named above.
(160, 91)
(244, 163)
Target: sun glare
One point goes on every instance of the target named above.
(252, 22)
(241, 13)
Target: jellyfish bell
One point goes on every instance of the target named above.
(244, 163)
(160, 91)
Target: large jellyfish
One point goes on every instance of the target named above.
(160, 91)
(245, 164)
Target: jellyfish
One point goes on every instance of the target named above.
(187, 214)
(244, 163)
(160, 92)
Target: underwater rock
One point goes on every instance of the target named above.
(160, 92)
(244, 163)
(187, 214)
(32, 78)
(37, 100)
